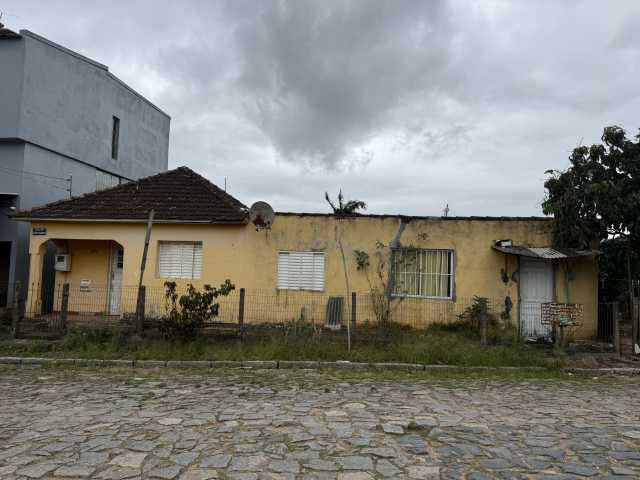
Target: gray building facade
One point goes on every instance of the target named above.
(67, 127)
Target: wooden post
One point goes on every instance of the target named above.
(64, 308)
(241, 313)
(140, 301)
(353, 310)
(483, 327)
(15, 312)
(634, 331)
(140, 305)
(616, 328)
(146, 246)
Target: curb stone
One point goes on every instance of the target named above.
(150, 363)
(344, 364)
(225, 364)
(293, 364)
(630, 371)
(290, 364)
(188, 364)
(118, 363)
(398, 366)
(34, 361)
(260, 364)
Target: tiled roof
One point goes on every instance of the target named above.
(179, 195)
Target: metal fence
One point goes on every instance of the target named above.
(98, 307)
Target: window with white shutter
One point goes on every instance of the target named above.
(301, 271)
(180, 259)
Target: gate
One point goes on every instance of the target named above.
(42, 315)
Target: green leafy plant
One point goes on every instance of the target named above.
(472, 314)
(186, 314)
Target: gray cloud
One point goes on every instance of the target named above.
(407, 104)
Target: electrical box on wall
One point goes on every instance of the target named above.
(63, 262)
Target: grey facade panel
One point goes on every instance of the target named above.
(57, 110)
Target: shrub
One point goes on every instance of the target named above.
(186, 314)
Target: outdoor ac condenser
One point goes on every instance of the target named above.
(63, 262)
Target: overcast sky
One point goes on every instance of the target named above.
(408, 105)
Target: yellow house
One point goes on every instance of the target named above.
(304, 264)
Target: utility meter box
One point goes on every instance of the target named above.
(63, 262)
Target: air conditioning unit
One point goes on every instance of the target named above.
(63, 262)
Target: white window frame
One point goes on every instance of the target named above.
(451, 275)
(318, 283)
(196, 265)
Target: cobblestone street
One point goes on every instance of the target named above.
(312, 425)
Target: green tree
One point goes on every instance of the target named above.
(598, 196)
(597, 201)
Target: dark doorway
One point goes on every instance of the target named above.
(48, 285)
(5, 265)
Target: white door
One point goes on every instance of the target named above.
(536, 288)
(115, 282)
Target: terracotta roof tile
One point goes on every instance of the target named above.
(179, 195)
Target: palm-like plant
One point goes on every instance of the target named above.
(349, 207)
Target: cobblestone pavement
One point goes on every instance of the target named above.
(312, 425)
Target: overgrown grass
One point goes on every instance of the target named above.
(439, 344)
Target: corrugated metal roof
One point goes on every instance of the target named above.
(546, 253)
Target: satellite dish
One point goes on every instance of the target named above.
(261, 215)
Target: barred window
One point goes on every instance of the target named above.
(180, 259)
(422, 273)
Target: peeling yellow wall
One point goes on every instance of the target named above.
(249, 257)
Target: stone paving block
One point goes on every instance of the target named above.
(314, 425)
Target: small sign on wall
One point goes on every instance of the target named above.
(85, 285)
(39, 231)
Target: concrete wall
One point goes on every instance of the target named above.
(56, 110)
(11, 164)
(249, 258)
(11, 82)
(68, 102)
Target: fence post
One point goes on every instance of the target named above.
(353, 310)
(140, 303)
(64, 308)
(241, 313)
(15, 312)
(483, 326)
(616, 328)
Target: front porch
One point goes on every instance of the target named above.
(93, 270)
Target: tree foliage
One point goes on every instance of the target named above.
(598, 196)
(350, 207)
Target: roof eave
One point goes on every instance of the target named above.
(132, 220)
(563, 253)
